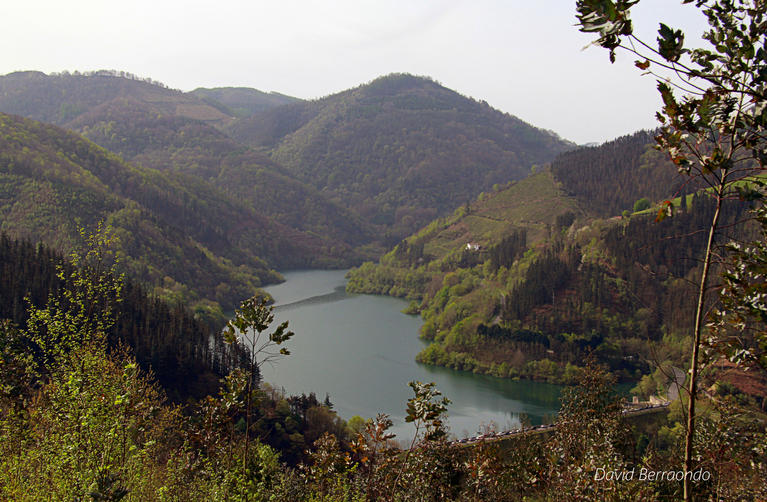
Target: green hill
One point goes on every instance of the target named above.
(400, 150)
(143, 135)
(159, 128)
(354, 172)
(533, 204)
(608, 179)
(183, 352)
(179, 234)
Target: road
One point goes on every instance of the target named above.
(677, 383)
(541, 429)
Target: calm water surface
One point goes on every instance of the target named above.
(361, 350)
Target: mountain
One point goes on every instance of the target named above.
(155, 127)
(400, 150)
(242, 101)
(143, 135)
(59, 98)
(177, 232)
(357, 170)
(527, 279)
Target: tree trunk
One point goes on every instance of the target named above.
(688, 443)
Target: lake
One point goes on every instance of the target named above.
(360, 349)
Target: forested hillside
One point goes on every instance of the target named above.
(179, 235)
(357, 170)
(525, 280)
(150, 125)
(399, 150)
(135, 219)
(184, 353)
(608, 179)
(143, 135)
(76, 316)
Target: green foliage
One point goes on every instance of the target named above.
(479, 306)
(609, 19)
(652, 384)
(220, 175)
(641, 204)
(59, 98)
(364, 149)
(95, 413)
(99, 429)
(242, 101)
(591, 438)
(715, 131)
(591, 434)
(85, 310)
(739, 322)
(425, 410)
(185, 354)
(633, 168)
(250, 321)
(88, 423)
(356, 424)
(502, 290)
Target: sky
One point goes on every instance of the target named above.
(524, 57)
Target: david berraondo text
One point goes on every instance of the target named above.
(645, 474)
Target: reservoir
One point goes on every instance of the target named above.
(360, 349)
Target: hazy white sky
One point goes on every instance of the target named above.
(522, 57)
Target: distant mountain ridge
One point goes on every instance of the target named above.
(59, 98)
(149, 125)
(242, 101)
(361, 168)
(399, 150)
(322, 183)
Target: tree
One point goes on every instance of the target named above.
(716, 130)
(426, 410)
(78, 419)
(641, 204)
(86, 309)
(591, 433)
(740, 322)
(248, 327)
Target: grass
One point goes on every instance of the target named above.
(532, 203)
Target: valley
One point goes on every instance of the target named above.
(522, 257)
(394, 291)
(200, 150)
